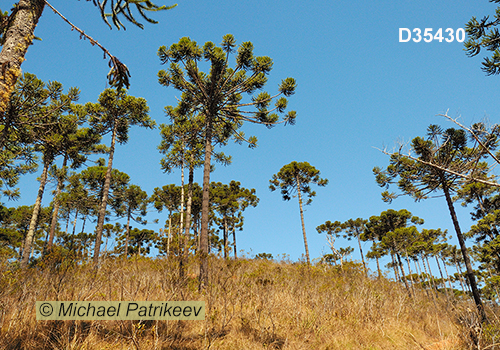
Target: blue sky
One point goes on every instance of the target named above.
(359, 89)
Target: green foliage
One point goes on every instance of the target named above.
(217, 95)
(115, 112)
(392, 231)
(14, 225)
(484, 34)
(297, 176)
(168, 196)
(122, 8)
(140, 241)
(132, 203)
(486, 234)
(264, 256)
(444, 149)
(32, 121)
(229, 201)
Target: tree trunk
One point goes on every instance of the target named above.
(127, 233)
(225, 236)
(205, 206)
(234, 241)
(465, 254)
(447, 275)
(410, 273)
(105, 194)
(422, 273)
(182, 234)
(169, 233)
(302, 220)
(84, 221)
(362, 256)
(459, 272)
(378, 267)
(34, 216)
(403, 274)
(188, 211)
(17, 38)
(74, 223)
(67, 222)
(55, 212)
(431, 276)
(442, 278)
(419, 274)
(395, 268)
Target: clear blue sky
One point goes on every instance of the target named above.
(359, 89)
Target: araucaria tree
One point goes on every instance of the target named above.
(442, 149)
(298, 177)
(229, 201)
(217, 96)
(484, 34)
(114, 113)
(133, 204)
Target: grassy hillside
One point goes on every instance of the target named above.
(250, 304)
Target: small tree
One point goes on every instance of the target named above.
(229, 201)
(297, 177)
(133, 204)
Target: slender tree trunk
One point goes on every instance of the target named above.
(447, 275)
(84, 221)
(378, 268)
(74, 223)
(17, 38)
(169, 233)
(431, 276)
(188, 211)
(362, 256)
(442, 278)
(205, 206)
(302, 220)
(419, 274)
(234, 241)
(225, 236)
(127, 234)
(431, 286)
(55, 212)
(105, 194)
(34, 217)
(465, 254)
(400, 264)
(459, 272)
(466, 282)
(67, 223)
(410, 272)
(428, 277)
(182, 234)
(395, 268)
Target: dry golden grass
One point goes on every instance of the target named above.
(250, 304)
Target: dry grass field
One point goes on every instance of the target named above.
(250, 304)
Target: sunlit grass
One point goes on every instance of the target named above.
(250, 304)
